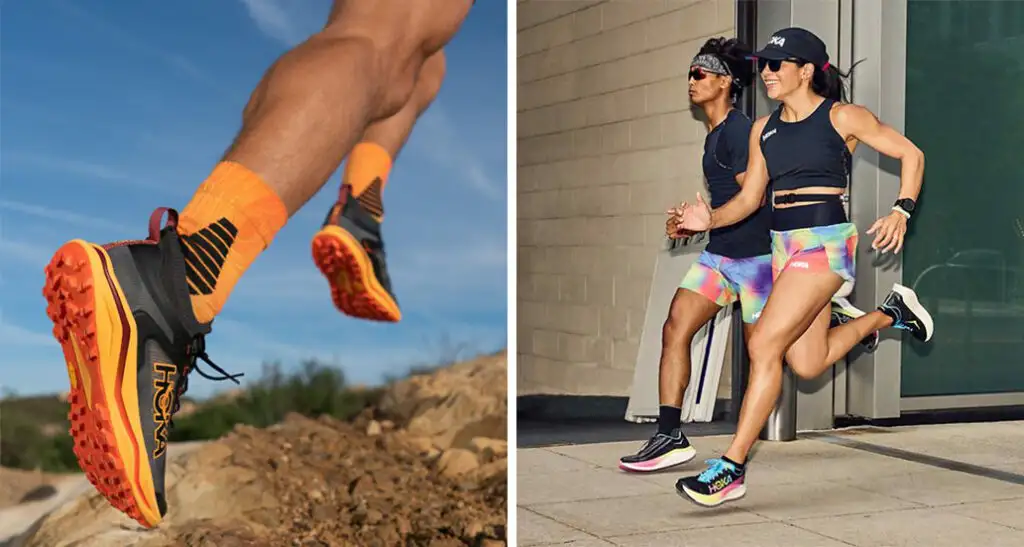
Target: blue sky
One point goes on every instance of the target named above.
(111, 109)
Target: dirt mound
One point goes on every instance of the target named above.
(453, 405)
(381, 480)
(19, 486)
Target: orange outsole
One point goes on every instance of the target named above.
(96, 330)
(354, 289)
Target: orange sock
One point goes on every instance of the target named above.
(366, 172)
(231, 219)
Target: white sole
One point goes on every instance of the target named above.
(911, 301)
(842, 303)
(846, 289)
(734, 495)
(678, 457)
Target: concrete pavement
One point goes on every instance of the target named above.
(927, 486)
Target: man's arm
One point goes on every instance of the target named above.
(753, 183)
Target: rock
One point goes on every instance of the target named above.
(488, 449)
(374, 428)
(497, 469)
(457, 461)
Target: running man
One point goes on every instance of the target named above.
(735, 265)
(805, 148)
(132, 316)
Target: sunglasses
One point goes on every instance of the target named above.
(699, 74)
(773, 64)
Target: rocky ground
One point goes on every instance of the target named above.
(19, 486)
(427, 467)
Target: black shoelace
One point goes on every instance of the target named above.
(197, 352)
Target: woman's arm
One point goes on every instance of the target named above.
(858, 122)
(753, 183)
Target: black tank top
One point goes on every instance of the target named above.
(726, 149)
(806, 153)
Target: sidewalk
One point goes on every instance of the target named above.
(865, 487)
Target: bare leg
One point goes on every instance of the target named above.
(820, 347)
(392, 133)
(349, 248)
(798, 300)
(315, 102)
(689, 312)
(308, 111)
(669, 447)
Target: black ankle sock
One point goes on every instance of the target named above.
(668, 418)
(738, 466)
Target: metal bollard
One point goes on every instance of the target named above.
(781, 424)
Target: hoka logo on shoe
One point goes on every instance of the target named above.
(205, 252)
(163, 393)
(721, 483)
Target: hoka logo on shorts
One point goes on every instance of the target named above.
(777, 41)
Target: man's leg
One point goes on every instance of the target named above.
(131, 316)
(349, 249)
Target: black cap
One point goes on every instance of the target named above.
(794, 42)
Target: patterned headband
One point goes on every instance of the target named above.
(711, 63)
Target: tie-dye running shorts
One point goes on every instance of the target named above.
(724, 280)
(817, 249)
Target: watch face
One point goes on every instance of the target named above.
(906, 204)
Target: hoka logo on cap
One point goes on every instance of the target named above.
(777, 41)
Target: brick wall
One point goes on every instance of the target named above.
(606, 143)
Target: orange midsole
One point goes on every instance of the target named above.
(369, 281)
(121, 400)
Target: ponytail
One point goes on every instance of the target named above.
(830, 82)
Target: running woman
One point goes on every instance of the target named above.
(805, 148)
(735, 265)
(132, 316)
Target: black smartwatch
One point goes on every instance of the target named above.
(904, 206)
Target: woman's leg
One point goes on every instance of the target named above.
(820, 347)
(799, 298)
